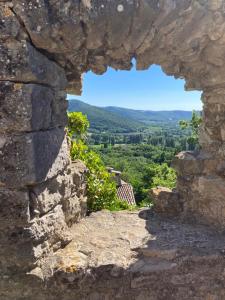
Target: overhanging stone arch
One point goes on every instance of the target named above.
(45, 48)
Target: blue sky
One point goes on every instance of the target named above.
(149, 90)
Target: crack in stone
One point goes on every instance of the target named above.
(29, 82)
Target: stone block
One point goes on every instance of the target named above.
(47, 195)
(52, 31)
(21, 62)
(215, 96)
(166, 201)
(50, 227)
(21, 247)
(79, 172)
(32, 158)
(17, 254)
(208, 200)
(68, 188)
(74, 209)
(191, 163)
(59, 109)
(186, 163)
(30, 107)
(14, 208)
(141, 26)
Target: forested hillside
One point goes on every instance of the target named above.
(102, 120)
(148, 117)
(123, 120)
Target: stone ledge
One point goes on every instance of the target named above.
(190, 163)
(144, 257)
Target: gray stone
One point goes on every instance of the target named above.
(14, 208)
(52, 31)
(75, 208)
(23, 246)
(21, 62)
(31, 158)
(68, 188)
(50, 228)
(30, 107)
(208, 202)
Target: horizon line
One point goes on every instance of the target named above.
(137, 109)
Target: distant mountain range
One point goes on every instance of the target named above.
(122, 120)
(149, 116)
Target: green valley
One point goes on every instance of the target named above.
(140, 144)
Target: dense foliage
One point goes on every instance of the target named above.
(193, 125)
(101, 190)
(148, 116)
(78, 125)
(144, 166)
(142, 154)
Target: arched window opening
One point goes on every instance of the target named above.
(138, 122)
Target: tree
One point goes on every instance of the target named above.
(96, 138)
(193, 125)
(135, 139)
(159, 175)
(112, 140)
(169, 142)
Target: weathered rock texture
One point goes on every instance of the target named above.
(41, 192)
(128, 256)
(45, 46)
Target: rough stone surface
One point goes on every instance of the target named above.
(166, 201)
(25, 244)
(14, 207)
(41, 193)
(75, 204)
(185, 37)
(30, 107)
(144, 257)
(31, 158)
(35, 220)
(68, 188)
(21, 62)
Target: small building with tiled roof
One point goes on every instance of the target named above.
(125, 190)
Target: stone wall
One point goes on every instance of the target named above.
(185, 37)
(45, 46)
(41, 191)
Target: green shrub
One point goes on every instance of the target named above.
(101, 189)
(78, 125)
